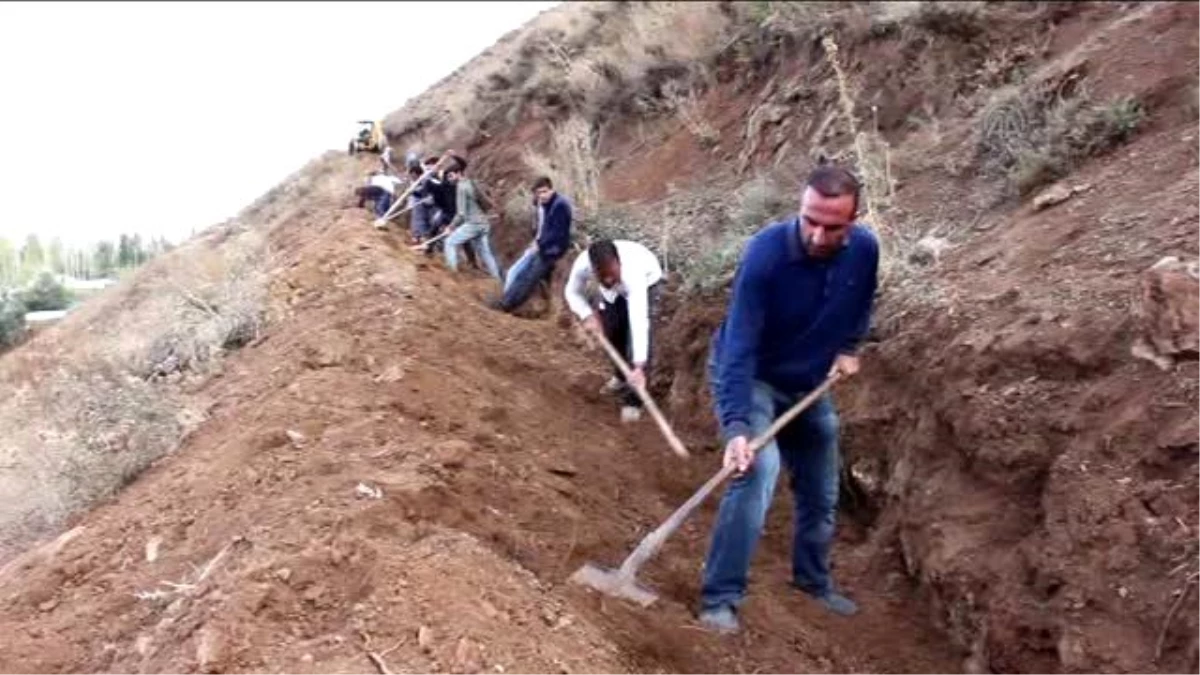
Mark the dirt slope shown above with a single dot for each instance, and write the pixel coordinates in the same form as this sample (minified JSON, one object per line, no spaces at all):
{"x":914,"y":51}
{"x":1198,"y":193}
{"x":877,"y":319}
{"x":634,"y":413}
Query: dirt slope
{"x":501,"y":472}
{"x":1021,"y":485}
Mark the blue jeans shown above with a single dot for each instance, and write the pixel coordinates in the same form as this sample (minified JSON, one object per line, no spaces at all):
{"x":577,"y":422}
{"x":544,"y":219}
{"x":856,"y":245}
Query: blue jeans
{"x":420,"y":218}
{"x":383,"y":203}
{"x":523,"y":277}
{"x":808,"y":448}
{"x":478,"y":235}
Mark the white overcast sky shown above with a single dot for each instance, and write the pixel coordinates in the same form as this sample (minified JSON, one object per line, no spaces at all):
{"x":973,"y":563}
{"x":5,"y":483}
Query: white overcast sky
{"x":164,"y":118}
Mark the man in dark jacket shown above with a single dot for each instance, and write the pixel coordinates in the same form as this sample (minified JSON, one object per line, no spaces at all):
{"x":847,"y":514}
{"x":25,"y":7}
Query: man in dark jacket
{"x":799,"y":309}
{"x":552,"y":237}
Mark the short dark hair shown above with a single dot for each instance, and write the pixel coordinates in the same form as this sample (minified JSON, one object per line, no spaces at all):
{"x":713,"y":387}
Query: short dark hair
{"x":834,"y":181}
{"x":602,"y":252}
{"x":542,"y":182}
{"x":459,"y":165}
{"x":415,"y":171}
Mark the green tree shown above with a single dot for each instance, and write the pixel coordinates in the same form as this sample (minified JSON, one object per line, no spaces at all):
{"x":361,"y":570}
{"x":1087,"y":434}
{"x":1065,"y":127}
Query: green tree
{"x":10,"y":263}
{"x":55,"y":256}
{"x":85,"y":267}
{"x":46,"y":294}
{"x":125,"y":256}
{"x":139,"y":251}
{"x":12,"y":318}
{"x":32,"y":255}
{"x":104,"y":259}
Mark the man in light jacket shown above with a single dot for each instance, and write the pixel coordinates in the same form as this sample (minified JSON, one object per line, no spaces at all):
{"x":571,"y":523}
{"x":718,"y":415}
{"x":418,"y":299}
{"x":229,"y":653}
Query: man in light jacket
{"x":469,"y":226}
{"x":628,"y":275}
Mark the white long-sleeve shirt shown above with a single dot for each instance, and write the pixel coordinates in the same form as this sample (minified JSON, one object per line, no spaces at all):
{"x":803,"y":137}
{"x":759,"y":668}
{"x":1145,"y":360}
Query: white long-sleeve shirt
{"x":640,"y":270}
{"x":388,"y":183}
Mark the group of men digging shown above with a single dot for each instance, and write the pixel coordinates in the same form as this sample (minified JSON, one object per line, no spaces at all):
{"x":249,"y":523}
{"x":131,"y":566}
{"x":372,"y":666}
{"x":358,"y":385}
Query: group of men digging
{"x":799,"y":307}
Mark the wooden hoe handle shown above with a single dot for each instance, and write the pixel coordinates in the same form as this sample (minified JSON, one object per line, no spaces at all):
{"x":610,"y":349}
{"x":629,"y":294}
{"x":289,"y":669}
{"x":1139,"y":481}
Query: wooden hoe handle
{"x":669,"y":433}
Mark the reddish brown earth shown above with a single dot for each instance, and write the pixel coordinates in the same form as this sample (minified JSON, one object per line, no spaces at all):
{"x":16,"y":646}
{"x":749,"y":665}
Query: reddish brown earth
{"x":1039,"y":479}
{"x":1021,"y":489}
{"x":501,"y":470}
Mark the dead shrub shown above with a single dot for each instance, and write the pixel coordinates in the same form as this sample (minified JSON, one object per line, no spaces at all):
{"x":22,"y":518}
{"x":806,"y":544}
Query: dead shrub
{"x":687,"y":109}
{"x":708,"y":261}
{"x":1037,"y":135}
{"x":959,"y":20}
{"x":215,"y":302}
{"x":518,"y":209}
{"x":1192,"y":104}
{"x":614,"y":222}
{"x":103,"y":413}
{"x":698,"y":240}
{"x":97,"y":427}
{"x":794,"y":17}
{"x":872,"y":157}
{"x":573,"y":164}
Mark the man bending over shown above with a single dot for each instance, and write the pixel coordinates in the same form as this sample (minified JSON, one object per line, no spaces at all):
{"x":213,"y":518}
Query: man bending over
{"x":628,"y":275}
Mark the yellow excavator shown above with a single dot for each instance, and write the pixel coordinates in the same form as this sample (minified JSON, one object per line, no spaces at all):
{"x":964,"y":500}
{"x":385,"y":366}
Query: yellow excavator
{"x":369,"y":137}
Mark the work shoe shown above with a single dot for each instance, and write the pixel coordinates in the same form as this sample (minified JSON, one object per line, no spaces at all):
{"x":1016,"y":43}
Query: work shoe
{"x":837,"y":603}
{"x":720,"y":620}
{"x":630,"y":414}
{"x":613,"y":386}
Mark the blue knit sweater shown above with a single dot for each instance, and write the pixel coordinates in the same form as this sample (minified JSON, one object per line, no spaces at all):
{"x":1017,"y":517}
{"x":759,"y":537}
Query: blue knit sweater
{"x":789,"y":317}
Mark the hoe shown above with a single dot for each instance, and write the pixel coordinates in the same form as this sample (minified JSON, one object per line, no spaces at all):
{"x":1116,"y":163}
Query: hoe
{"x":622,"y":582}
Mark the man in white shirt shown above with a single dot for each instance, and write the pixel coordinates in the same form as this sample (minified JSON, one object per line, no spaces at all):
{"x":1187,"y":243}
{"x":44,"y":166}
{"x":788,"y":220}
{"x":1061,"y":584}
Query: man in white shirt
{"x":628,"y":275}
{"x":380,"y":190}
{"x":387,"y":192}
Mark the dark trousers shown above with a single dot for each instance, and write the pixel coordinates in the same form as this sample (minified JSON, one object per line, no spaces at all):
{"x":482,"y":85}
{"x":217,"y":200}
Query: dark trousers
{"x":382,"y":203}
{"x":368,"y":193}
{"x":614,"y":318}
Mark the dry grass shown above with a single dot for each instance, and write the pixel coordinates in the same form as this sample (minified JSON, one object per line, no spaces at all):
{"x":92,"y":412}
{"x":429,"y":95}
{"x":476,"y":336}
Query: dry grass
{"x":518,"y":209}
{"x":100,"y":404}
{"x":76,"y":436}
{"x":793,"y":17}
{"x":960,"y":19}
{"x":687,"y":109}
{"x":872,"y":157}
{"x":1192,"y":101}
{"x":1036,"y":135}
{"x":90,"y":402}
{"x":571,"y":59}
{"x":217,"y":302}
{"x":699,"y":236}
{"x":573,"y":164}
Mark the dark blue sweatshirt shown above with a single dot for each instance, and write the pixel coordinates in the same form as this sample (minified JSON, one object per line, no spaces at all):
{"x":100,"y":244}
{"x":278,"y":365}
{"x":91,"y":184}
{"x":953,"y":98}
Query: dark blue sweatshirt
{"x":789,"y":317}
{"x":555,"y":236}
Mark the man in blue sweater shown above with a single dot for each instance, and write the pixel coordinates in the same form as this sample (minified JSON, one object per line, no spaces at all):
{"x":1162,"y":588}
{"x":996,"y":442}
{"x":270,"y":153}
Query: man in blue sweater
{"x":552,"y":237}
{"x":800,"y":306}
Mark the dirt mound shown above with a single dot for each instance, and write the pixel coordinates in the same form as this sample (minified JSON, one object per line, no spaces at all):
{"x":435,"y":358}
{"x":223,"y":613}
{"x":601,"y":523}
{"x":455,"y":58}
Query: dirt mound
{"x":388,"y":468}
{"x":394,"y":459}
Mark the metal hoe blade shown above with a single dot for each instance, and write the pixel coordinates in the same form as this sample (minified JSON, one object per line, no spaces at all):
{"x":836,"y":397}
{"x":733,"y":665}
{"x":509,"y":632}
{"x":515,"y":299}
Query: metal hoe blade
{"x":612,"y":582}
{"x":622,"y":583}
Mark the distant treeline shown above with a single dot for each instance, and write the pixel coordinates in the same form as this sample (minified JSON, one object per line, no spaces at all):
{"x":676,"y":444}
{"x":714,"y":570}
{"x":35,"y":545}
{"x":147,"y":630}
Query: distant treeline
{"x":21,"y":264}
